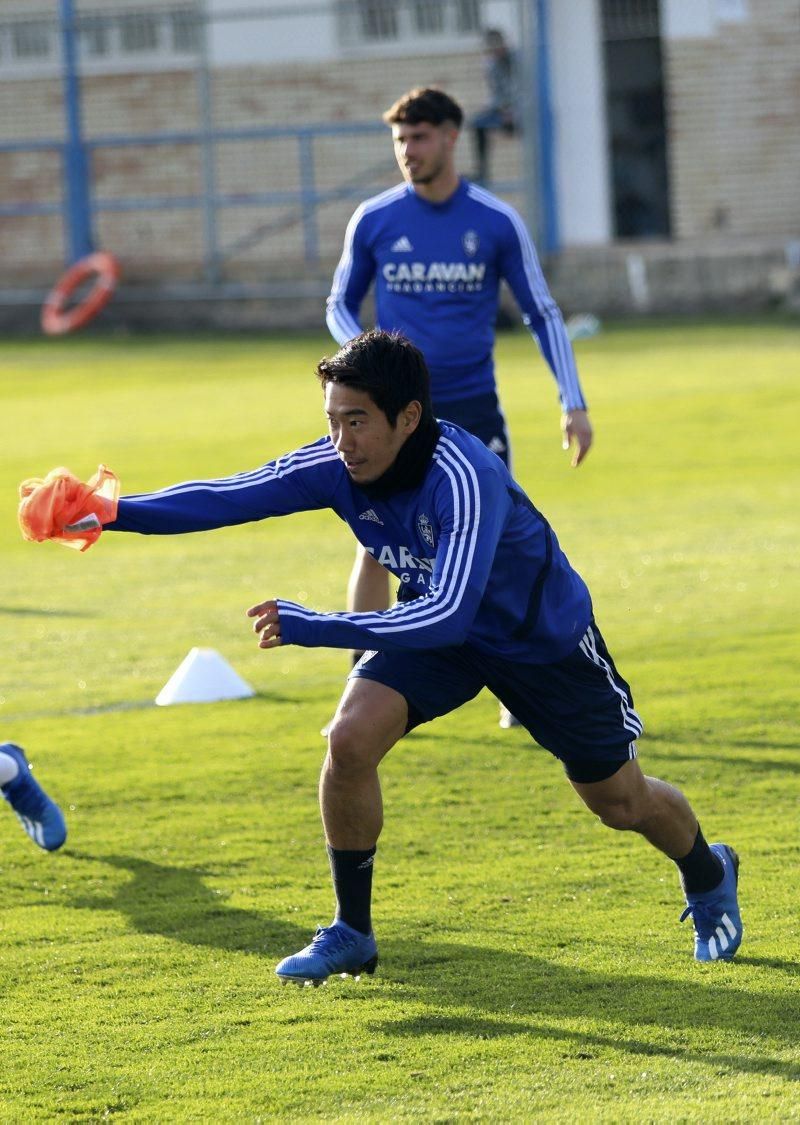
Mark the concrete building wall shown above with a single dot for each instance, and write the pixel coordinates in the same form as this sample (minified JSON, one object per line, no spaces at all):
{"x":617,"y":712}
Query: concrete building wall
{"x":733,"y":104}
{"x":732,"y":87}
{"x":168,"y":242}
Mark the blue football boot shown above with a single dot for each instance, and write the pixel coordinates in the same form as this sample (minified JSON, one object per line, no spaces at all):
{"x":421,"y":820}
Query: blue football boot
{"x":41,"y":818}
{"x":717,"y":921}
{"x":337,"y":948}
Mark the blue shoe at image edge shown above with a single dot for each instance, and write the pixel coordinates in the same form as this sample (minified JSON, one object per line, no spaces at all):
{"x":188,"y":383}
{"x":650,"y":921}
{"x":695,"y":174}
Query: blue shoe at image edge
{"x":337,"y":948}
{"x":715,"y":914}
{"x":41,"y":818}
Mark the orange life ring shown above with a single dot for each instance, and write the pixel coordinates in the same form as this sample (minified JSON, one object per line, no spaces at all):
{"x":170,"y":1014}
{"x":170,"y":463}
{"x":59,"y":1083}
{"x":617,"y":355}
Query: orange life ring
{"x":56,"y":318}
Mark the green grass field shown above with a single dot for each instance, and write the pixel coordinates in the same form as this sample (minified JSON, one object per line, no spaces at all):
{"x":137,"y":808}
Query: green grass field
{"x":533,"y":967}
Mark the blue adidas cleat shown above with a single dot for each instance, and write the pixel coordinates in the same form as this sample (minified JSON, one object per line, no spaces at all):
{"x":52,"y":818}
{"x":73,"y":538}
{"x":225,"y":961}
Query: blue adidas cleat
{"x":337,"y":948}
{"x":717,"y":922}
{"x":41,"y":818}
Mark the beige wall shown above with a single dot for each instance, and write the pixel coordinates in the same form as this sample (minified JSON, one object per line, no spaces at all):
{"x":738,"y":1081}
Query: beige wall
{"x":168,"y":244}
{"x":733,"y":102}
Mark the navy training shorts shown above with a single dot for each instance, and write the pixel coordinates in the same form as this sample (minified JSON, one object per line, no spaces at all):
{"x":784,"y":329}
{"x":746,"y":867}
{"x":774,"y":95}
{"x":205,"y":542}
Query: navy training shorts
{"x":479,"y":415}
{"x":578,"y":708}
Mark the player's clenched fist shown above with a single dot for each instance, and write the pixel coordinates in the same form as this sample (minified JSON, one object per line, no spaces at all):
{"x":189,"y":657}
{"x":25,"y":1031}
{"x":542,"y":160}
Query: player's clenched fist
{"x":267,"y":623}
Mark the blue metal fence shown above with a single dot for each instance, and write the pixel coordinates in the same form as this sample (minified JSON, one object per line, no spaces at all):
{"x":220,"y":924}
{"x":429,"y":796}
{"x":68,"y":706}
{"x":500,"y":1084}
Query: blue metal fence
{"x":82,"y":201}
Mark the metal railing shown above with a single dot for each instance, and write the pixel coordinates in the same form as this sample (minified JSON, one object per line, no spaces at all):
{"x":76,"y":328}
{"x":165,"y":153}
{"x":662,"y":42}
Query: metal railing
{"x":221,"y":185}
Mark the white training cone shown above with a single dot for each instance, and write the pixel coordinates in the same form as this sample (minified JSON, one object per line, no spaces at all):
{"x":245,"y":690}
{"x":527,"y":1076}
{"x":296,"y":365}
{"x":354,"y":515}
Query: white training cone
{"x":203,"y":677}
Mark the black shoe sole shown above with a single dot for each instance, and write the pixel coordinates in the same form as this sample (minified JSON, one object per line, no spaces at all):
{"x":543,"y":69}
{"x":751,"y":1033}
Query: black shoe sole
{"x":368,"y":967}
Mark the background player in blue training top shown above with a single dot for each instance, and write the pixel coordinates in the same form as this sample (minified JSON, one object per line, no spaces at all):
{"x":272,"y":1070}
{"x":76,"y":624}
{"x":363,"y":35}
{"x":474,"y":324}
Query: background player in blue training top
{"x":436,"y":248}
{"x":487,"y":598}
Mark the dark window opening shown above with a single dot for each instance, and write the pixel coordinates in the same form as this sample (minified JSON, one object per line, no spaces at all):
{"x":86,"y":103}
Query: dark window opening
{"x":636,"y":118}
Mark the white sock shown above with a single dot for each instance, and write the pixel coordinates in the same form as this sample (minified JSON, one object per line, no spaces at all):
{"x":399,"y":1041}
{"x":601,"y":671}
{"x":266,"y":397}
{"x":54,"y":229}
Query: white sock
{"x":8,"y":768}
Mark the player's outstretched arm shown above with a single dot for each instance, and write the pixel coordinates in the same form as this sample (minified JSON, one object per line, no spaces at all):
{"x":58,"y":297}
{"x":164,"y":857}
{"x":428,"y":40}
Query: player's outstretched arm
{"x":576,"y":430}
{"x":267,"y":623}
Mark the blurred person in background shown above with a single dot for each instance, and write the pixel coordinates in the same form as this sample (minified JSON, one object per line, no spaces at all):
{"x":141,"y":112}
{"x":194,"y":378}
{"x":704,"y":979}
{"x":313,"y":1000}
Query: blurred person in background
{"x":500,"y":113}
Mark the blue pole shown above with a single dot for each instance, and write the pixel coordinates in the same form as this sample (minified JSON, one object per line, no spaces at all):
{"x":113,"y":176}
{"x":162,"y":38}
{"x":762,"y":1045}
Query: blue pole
{"x":308,"y":198}
{"x":77,"y":203}
{"x":550,"y":235}
{"x":208,"y":153}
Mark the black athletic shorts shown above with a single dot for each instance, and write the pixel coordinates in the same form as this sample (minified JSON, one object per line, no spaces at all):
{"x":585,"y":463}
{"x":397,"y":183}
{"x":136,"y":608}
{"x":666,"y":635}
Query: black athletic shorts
{"x":479,"y":415}
{"x":578,"y":708}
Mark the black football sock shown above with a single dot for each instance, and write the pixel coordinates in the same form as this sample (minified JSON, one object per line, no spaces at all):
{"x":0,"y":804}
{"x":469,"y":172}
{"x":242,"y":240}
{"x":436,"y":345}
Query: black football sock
{"x":352,"y":885}
{"x":700,"y":870}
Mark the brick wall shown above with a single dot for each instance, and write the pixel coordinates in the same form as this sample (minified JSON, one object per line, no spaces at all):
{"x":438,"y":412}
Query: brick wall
{"x":733,"y":105}
{"x":734,"y":126}
{"x":168,"y":244}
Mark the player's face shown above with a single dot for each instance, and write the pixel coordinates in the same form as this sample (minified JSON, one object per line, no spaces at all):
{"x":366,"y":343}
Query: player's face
{"x":424,"y":152}
{"x":366,"y":442}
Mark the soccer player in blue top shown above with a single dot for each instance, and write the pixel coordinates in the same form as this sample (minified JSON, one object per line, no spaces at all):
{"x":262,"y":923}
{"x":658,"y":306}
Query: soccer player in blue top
{"x":436,"y":249}
{"x":486,"y":598}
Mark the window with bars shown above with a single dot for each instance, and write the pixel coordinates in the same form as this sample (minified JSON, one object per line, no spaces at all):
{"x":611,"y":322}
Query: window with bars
{"x":139,"y":32}
{"x":378,"y":19}
{"x":185,"y":27}
{"x":399,"y":21}
{"x":30,"y":40}
{"x":93,"y":37}
{"x":113,"y":41}
{"x":468,"y":16}
{"x":630,"y":19}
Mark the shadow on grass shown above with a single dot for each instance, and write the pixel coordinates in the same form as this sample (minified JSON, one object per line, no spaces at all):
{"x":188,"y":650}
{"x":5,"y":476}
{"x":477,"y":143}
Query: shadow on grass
{"x":508,"y":993}
{"x":791,"y":968}
{"x":39,"y":611}
{"x":176,"y":903}
{"x":665,"y":748}
{"x":753,"y":765}
{"x":150,"y":705}
{"x":654,"y":1016}
{"x":586,"y":1045}
{"x":703,"y":750}
{"x":144,"y":704}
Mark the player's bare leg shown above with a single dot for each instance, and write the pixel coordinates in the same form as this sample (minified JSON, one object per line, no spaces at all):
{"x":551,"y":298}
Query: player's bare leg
{"x":370,"y":719}
{"x":630,"y":801}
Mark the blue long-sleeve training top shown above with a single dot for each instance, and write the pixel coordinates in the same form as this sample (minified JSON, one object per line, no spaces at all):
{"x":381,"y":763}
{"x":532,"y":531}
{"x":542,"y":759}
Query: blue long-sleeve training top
{"x":437,"y":269}
{"x":485,"y":563}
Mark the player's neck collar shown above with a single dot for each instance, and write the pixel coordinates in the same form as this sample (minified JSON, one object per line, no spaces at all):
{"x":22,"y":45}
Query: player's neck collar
{"x":410,"y":465}
{"x":460,"y":188}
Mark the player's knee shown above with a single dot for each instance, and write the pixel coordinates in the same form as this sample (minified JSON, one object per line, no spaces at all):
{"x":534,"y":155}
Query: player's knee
{"x":349,"y":750}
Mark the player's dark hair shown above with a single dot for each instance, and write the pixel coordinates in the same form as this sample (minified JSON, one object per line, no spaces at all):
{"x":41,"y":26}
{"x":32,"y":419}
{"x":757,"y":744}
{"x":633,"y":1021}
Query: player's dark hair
{"x":425,"y":104}
{"x":387,"y":367}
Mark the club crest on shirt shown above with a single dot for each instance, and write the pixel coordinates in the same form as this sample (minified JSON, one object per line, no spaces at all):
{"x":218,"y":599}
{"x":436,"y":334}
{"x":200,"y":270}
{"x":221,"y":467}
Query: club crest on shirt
{"x":425,"y":528}
{"x":470,"y":242}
